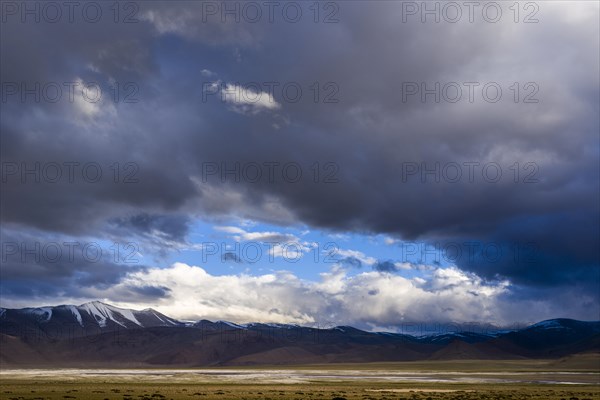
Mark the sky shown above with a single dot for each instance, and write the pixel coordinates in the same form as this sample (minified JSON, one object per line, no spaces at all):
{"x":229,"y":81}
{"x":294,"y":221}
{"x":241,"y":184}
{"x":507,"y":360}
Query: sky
{"x":372,"y":164}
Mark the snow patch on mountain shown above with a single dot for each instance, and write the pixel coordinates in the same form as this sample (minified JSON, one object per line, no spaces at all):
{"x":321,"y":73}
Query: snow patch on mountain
{"x":127,"y":314}
{"x":548,"y":324}
{"x":231,"y":324}
{"x":159,"y":316}
{"x":270,"y":325}
{"x":43,"y":312}
{"x":149,"y":310}
{"x":96,"y":312}
{"x":76,"y":313}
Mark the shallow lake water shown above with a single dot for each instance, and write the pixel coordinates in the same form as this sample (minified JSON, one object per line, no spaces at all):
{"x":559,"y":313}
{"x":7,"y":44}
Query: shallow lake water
{"x":293,"y":376}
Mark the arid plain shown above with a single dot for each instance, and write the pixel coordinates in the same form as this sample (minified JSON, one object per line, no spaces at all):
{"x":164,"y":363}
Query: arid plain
{"x":570,"y":378}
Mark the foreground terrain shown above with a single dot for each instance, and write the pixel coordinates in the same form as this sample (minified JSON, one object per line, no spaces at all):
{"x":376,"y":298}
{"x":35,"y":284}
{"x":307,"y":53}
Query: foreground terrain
{"x":98,"y":391}
{"x":570,"y":379}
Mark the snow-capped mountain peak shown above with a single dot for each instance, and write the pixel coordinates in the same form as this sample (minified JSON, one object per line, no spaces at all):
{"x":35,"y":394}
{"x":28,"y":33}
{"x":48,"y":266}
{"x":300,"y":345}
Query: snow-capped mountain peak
{"x":89,"y":315}
{"x":103,"y":313}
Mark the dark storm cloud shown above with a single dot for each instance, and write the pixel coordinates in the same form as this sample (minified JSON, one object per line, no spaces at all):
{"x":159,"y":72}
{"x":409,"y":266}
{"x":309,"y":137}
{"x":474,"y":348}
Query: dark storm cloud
{"x":170,"y":227}
{"x":546,"y":250}
{"x":370,"y":135}
{"x":351,"y":262}
{"x":111,"y":56}
{"x":149,"y":292}
{"x":36,"y":264}
{"x":229,"y":256}
{"x":385,"y":266}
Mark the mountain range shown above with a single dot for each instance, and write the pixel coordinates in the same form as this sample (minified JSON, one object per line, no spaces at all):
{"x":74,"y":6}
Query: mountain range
{"x":99,"y":334}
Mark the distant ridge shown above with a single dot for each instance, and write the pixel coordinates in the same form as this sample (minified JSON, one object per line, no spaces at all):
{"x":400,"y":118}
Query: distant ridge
{"x":97,"y":333}
{"x":92,"y":314}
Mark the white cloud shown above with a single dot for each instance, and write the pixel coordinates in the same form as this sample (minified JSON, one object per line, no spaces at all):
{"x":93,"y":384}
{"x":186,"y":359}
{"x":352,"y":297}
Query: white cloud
{"x":369,"y":300}
{"x":245,"y":100}
{"x":241,"y":235}
{"x":172,"y":19}
{"x":93,"y":105}
{"x":359,"y":255}
{"x":283,"y":245}
{"x":404,"y":265}
{"x":366,"y":299}
{"x":389,"y":240}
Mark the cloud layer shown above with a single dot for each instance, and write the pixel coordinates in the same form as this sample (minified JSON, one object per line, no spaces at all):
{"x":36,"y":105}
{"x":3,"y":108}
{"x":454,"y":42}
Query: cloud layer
{"x":369,"y":300}
{"x":362,"y":144}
